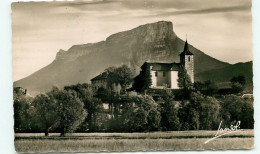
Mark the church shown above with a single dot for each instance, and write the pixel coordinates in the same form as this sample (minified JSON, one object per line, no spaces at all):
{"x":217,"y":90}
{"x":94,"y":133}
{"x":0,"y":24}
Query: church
{"x":165,"y":75}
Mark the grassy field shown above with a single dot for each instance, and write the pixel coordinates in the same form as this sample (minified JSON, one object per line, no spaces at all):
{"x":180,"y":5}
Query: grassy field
{"x":156,"y":141}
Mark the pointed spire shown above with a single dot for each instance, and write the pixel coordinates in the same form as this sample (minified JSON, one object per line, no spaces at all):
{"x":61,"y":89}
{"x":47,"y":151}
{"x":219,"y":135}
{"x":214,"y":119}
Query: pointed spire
{"x":186,"y":46}
{"x":186,"y":50}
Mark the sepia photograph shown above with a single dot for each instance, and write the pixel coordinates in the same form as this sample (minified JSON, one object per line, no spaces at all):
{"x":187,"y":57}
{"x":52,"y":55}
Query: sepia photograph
{"x":132,"y":75}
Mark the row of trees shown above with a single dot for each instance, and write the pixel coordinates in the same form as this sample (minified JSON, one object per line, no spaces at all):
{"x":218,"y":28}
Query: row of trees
{"x":77,"y":110}
{"x":210,"y":87}
{"x":57,"y":109}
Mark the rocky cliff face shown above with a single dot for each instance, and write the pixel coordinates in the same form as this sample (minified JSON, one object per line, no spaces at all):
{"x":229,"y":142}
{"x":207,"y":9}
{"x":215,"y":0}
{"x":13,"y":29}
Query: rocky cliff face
{"x":143,"y":39}
{"x":76,"y":51}
{"x":155,"y":42}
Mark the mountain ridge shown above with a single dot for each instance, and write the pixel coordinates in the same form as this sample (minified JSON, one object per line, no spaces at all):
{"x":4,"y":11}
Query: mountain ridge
{"x":153,"y":42}
{"x":224,"y":74}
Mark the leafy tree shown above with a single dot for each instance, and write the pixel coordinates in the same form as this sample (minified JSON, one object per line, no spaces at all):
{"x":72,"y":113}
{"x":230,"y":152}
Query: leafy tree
{"x":247,"y":116}
{"x":239,"y":79}
{"x":70,"y":110}
{"x":124,"y":76}
{"x":238,"y":84}
{"x":198,"y":86}
{"x":116,"y":75}
{"x":119,"y":75}
{"x":111,"y":69}
{"x":189,"y":116}
{"x":235,"y":108}
{"x":140,"y":113}
{"x":103,"y":94}
{"x":81,"y":91}
{"x":112,"y":79}
{"x":200,"y":112}
{"x":209,"y":114}
{"x":22,"y":112}
{"x":169,"y":113}
{"x":138,"y":83}
{"x":46,"y":112}
{"x":93,"y":105}
{"x":237,"y":88}
{"x":210,"y":88}
{"x":144,"y":80}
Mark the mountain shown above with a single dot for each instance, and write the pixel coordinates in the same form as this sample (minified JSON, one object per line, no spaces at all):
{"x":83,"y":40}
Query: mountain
{"x":226,"y":73}
{"x":154,"y":42}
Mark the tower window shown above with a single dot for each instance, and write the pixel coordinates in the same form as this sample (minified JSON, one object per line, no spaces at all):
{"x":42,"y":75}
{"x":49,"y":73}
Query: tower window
{"x":156,"y":74}
{"x":164,"y":74}
{"x":189,"y":58}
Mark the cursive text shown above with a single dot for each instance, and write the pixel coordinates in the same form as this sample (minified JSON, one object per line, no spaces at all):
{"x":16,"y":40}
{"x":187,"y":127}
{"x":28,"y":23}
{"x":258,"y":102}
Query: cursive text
{"x":225,"y":131}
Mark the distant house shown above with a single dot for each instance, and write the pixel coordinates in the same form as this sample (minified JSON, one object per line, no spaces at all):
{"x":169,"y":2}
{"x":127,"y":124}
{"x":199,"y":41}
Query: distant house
{"x":165,"y":75}
{"x":24,"y":91}
{"x":101,"y":81}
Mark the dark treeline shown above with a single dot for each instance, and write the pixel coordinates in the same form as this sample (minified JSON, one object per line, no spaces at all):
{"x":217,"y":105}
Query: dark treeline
{"x":78,"y":108}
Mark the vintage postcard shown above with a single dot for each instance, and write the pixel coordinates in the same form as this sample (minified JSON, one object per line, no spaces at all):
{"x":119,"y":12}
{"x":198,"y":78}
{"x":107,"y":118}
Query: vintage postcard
{"x":132,"y":75}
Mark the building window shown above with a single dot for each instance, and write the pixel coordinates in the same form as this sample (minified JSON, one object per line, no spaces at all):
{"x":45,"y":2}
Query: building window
{"x":156,"y":74}
{"x":189,"y":58}
{"x":164,"y":73}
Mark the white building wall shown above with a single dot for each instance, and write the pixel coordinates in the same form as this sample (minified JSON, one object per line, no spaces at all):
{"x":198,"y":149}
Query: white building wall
{"x":174,"y":80}
{"x":170,"y":78}
{"x":154,"y":79}
{"x":161,"y":81}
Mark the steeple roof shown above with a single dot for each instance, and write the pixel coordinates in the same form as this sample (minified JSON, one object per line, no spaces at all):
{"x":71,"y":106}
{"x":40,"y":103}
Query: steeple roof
{"x":162,"y":66}
{"x":104,"y":75}
{"x":186,"y":50}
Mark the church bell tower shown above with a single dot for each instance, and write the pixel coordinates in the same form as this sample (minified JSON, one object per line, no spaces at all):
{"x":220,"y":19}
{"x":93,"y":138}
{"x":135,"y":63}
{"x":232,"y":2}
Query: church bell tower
{"x":187,"y":60}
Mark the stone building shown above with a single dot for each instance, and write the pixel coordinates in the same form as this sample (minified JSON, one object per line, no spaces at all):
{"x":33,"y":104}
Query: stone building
{"x":165,"y":75}
{"x":101,"y":81}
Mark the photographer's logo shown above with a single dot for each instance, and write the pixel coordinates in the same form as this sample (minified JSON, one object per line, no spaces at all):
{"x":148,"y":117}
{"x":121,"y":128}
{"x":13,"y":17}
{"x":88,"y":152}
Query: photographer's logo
{"x":225,"y":131}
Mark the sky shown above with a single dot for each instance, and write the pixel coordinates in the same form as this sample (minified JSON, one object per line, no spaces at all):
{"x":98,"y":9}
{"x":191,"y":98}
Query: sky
{"x":219,"y":28}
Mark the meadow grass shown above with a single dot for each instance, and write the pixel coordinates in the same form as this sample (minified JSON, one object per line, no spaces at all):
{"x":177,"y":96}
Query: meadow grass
{"x":200,"y":133}
{"x":157,"y":141}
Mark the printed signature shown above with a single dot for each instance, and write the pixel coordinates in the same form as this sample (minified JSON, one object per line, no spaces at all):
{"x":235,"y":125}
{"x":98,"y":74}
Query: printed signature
{"x":225,"y":131}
